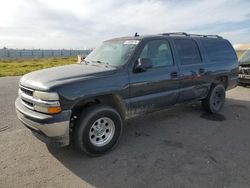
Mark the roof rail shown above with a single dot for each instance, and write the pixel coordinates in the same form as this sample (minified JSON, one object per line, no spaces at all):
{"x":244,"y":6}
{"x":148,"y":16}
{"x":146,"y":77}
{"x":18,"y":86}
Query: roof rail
{"x":212,"y":36}
{"x":191,"y":35}
{"x":176,"y":33}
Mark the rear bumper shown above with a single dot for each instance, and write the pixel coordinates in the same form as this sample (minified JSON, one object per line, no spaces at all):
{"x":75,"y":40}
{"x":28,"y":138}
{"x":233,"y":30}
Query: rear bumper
{"x":53,"y":129}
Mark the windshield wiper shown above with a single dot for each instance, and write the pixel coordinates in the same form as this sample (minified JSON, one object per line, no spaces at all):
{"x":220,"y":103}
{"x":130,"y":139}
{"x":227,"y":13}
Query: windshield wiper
{"x":86,"y":62}
{"x":102,"y":62}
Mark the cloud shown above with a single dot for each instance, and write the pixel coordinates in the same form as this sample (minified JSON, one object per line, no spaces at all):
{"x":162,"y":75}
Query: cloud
{"x":85,"y":23}
{"x":239,"y":36}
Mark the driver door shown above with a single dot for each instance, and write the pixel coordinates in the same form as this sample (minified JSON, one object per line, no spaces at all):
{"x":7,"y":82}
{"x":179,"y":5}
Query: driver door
{"x":158,"y":86}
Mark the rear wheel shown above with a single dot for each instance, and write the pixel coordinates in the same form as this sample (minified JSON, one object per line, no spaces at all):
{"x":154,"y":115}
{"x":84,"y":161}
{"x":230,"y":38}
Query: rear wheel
{"x":214,"y":102}
{"x":98,"y":130}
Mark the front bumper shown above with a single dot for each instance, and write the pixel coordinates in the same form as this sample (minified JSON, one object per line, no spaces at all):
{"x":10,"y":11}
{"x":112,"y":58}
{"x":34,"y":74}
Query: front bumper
{"x":244,"y":79}
{"x":53,"y":129}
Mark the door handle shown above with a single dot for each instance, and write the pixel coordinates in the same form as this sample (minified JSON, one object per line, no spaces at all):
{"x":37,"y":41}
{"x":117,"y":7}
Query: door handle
{"x":174,"y":75}
{"x":201,"y":71}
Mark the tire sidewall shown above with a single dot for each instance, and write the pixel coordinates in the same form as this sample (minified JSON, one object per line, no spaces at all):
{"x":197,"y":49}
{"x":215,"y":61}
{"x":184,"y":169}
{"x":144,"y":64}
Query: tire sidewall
{"x":216,"y":88}
{"x":87,"y":119}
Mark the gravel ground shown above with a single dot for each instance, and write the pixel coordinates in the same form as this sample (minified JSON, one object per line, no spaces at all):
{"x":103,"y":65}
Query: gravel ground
{"x":178,"y":147}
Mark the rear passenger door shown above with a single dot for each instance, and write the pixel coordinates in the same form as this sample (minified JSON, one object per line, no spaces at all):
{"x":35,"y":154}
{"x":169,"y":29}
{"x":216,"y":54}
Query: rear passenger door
{"x":157,"y":86}
{"x":192,"y":70}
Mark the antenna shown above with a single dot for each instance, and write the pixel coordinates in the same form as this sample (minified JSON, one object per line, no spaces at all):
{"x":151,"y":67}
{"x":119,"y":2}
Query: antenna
{"x":136,"y":34}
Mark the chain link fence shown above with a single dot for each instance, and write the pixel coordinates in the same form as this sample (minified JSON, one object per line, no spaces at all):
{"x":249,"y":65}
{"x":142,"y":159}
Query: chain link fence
{"x":36,"y":53}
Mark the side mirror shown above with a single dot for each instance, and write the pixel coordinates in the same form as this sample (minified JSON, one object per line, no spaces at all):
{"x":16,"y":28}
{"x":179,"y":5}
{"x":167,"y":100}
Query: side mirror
{"x":142,"y":64}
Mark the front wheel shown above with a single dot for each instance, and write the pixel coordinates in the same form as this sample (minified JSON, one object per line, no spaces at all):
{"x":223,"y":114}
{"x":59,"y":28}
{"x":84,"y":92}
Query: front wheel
{"x":214,"y":102}
{"x":98,"y":130}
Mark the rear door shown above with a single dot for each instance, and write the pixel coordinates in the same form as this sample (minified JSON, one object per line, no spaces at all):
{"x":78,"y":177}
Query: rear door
{"x":159,"y":85}
{"x":192,"y":69}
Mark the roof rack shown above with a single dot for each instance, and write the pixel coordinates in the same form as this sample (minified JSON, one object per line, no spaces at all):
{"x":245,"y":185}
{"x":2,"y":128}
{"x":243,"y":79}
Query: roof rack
{"x":176,"y":33}
{"x":191,"y":35}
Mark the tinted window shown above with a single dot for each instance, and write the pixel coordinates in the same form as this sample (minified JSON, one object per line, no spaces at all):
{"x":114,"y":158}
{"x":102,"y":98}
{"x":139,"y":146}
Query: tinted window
{"x":158,"y":51}
{"x":188,"y":51}
{"x":218,"y":50}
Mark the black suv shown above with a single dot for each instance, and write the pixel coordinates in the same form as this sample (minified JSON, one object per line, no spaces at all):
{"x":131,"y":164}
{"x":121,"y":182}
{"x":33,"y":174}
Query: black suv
{"x":87,"y":103}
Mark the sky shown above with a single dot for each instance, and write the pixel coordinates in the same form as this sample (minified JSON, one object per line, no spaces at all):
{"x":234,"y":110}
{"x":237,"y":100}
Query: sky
{"x":81,"y":24}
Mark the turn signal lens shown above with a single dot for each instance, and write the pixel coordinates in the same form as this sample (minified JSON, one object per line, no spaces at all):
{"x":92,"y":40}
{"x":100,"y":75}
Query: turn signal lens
{"x":54,"y":110}
{"x":47,"y":110}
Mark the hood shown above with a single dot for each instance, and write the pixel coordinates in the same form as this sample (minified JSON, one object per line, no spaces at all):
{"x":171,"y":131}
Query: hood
{"x":47,"y":78}
{"x":244,"y":64}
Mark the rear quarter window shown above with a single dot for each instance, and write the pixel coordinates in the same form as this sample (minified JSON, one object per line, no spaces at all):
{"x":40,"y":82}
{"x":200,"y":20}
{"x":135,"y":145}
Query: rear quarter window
{"x":218,"y":50}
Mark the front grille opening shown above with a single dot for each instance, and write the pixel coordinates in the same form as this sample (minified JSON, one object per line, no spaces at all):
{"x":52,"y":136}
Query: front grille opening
{"x":27,"y":103}
{"x":26,"y":91}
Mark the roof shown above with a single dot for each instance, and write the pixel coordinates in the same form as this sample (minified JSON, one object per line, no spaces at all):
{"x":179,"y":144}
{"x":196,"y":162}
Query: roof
{"x":176,"y":34}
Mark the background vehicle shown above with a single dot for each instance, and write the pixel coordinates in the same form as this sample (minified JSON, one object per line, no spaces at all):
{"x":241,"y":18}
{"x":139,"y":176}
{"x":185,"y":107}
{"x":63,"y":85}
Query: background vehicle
{"x":244,"y":69}
{"x":125,"y":77}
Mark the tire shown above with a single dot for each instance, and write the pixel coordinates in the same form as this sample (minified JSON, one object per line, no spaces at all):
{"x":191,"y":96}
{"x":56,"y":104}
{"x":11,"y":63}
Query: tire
{"x":214,"y":102}
{"x":98,"y":130}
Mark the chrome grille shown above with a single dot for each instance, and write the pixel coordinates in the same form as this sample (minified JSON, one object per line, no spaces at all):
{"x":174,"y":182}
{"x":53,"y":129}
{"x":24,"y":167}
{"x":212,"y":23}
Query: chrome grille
{"x":245,"y":70}
{"x":26,"y":95}
{"x":27,"y":91}
{"x":27,"y":103}
{"x":27,"y":99}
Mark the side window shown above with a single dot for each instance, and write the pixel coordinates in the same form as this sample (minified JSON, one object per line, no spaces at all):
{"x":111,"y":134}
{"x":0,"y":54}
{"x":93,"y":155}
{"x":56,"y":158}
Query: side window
{"x":218,"y":50}
{"x":188,"y":51}
{"x":159,"y":52}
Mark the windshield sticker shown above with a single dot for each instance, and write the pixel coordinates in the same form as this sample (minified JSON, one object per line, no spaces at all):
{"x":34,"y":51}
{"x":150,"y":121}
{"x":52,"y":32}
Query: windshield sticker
{"x":132,"y":42}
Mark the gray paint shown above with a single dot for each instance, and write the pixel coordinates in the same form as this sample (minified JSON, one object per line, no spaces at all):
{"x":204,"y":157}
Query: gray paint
{"x":36,"y":53}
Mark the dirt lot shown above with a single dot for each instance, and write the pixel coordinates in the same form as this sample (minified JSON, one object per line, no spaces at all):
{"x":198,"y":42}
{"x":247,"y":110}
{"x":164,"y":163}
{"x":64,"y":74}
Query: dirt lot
{"x":178,"y":147}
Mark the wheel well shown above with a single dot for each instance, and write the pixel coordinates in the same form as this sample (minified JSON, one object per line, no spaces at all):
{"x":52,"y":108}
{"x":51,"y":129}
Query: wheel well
{"x":222,"y":80}
{"x":112,"y":100}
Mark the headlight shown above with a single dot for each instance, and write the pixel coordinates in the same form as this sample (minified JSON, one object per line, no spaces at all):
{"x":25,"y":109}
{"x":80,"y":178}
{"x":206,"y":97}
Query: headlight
{"x":240,"y":70}
{"x":46,"y":96}
{"x":46,"y":102}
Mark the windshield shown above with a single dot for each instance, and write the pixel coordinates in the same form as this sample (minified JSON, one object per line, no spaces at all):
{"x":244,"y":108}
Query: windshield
{"x":245,"y":58}
{"x":113,"y":53}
